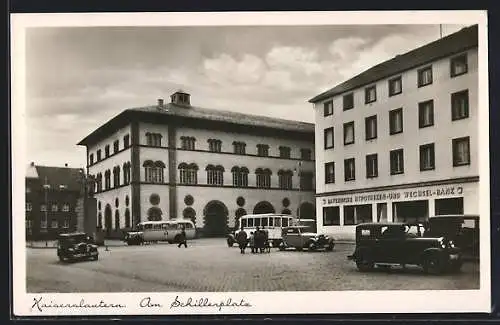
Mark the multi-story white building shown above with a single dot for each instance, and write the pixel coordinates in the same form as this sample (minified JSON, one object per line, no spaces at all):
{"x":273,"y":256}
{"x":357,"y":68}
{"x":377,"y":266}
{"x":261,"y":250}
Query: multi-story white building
{"x":174,"y":160}
{"x":399,"y":142}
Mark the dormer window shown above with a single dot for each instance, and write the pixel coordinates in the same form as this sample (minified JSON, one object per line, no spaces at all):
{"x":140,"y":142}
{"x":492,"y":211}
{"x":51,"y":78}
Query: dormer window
{"x":180,"y":98}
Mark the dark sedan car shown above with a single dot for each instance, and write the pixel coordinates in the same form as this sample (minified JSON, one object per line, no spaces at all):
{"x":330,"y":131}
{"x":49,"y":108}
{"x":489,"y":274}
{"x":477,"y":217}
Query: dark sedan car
{"x":389,"y":244}
{"x":76,"y":246}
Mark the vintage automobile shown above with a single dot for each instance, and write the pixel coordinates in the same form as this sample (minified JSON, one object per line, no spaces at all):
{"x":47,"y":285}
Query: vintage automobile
{"x":390,"y":244}
{"x":462,"y":229}
{"x":76,"y":246}
{"x":299,"y":238}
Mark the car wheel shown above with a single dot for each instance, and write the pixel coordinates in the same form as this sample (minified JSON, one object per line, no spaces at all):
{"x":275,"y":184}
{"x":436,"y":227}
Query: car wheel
{"x":455,"y":268}
{"x":96,"y":257}
{"x":230,"y":243}
{"x":433,"y":264}
{"x":365,"y":266}
{"x":311,"y":247}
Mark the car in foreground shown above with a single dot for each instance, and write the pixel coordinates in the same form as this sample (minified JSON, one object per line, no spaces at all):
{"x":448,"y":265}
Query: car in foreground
{"x":299,"y":237}
{"x":401,"y":244}
{"x":76,"y":246}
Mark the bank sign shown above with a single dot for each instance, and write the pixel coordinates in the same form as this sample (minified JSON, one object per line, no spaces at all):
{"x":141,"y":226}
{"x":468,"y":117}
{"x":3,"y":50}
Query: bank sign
{"x":398,"y":195}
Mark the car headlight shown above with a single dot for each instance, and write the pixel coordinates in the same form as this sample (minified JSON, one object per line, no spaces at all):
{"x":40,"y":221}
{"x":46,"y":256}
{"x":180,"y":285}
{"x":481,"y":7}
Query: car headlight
{"x":452,"y":244}
{"x":70,"y":249}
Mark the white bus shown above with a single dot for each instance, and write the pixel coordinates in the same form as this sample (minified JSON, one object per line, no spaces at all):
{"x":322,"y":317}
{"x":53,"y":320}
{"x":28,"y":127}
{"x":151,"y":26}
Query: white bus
{"x":271,"y":222}
{"x":169,"y":230}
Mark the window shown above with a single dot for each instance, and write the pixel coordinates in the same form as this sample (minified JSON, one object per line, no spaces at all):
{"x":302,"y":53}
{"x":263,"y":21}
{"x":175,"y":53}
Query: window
{"x":426,"y":114}
{"x":154,"y":171}
{"x":54,"y":208}
{"x":188,"y":143}
{"x":66,"y":223}
{"x":460,"y":105}
{"x":99,"y":155}
{"x":54,"y":224}
{"x":425,"y":76}
{"x":28,"y":189}
{"x":427,"y":157}
{"x":329,"y":138}
{"x":99,"y":182}
{"x":107,"y":179}
{"x":239,"y":147}
{"x":284,"y":152}
{"x":263,"y":177}
{"x":126,"y":173}
{"x":262,"y":150}
{"x":240,"y":176}
{"x":116,"y":146}
{"x":91,"y":158}
{"x":215,"y":175}
{"x":106,"y":151}
{"x":214,"y":145}
{"x":348,"y":101}
{"x":116,"y":176}
{"x":306,"y":154}
{"x":188,"y":173}
{"x":285,"y":179}
{"x":29,"y":206}
{"x":349,"y":133}
{"x":461,"y":151}
{"x":371,"y":165}
{"x":330,"y":172}
{"x":395,"y":86}
{"x":397,"y":161}
{"x":306,"y":181}
{"x":349,"y":169}
{"x":29,"y":226}
{"x":370,"y":94}
{"x":43,"y":208}
{"x":396,"y":121}
{"x":153,"y":139}
{"x":328,"y":108}
{"x":65,"y":207}
{"x":126,"y":141}
{"x":371,"y":127}
{"x":43,"y":223}
{"x":458,"y":65}
{"x":331,"y":216}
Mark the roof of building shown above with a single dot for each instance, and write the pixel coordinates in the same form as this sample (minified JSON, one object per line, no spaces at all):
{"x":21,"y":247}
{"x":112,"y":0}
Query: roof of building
{"x":69,"y":178}
{"x":454,"y":43}
{"x":31,"y":171}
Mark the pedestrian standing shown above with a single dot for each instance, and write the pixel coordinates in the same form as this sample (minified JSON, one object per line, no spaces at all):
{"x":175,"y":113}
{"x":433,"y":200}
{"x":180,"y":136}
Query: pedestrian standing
{"x":252,"y":241}
{"x":241,"y":238}
{"x":182,"y":239}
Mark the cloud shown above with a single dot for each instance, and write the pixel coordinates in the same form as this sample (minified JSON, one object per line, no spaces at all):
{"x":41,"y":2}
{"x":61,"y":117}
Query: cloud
{"x":226,"y":70}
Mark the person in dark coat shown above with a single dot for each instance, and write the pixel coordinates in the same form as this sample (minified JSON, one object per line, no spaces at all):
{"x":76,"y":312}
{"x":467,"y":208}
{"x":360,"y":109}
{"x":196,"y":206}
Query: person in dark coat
{"x":182,"y":239}
{"x":258,"y":240}
{"x":241,"y":239}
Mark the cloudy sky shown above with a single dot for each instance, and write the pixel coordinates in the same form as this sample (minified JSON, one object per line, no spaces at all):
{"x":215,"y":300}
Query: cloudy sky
{"x":78,"y":78}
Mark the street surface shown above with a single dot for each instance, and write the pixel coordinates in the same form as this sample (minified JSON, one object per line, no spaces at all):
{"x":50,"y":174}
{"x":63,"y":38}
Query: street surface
{"x":209,"y":265}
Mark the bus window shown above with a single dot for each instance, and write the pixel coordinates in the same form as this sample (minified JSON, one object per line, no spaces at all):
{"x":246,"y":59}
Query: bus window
{"x":277,"y":222}
{"x":250,"y":222}
{"x":164,"y":226}
{"x":263,"y":222}
{"x":148,"y":226}
{"x":157,"y":226}
{"x":187,"y":225}
{"x":172,"y":226}
{"x":243,"y":222}
{"x":271,"y":221}
{"x":257,"y":222}
{"x":284,"y":222}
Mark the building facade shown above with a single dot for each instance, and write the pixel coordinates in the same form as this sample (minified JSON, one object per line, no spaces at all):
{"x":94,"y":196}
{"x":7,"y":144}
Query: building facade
{"x":52,"y":201}
{"x":399,"y":142}
{"x":174,"y":160}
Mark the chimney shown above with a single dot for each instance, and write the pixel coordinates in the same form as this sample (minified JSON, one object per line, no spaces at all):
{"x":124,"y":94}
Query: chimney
{"x":181,"y":98}
{"x":65,"y":165}
{"x":32,"y":164}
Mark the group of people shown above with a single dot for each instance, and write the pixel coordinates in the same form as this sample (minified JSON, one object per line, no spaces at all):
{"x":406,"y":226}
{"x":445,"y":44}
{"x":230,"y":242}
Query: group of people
{"x":258,"y":240}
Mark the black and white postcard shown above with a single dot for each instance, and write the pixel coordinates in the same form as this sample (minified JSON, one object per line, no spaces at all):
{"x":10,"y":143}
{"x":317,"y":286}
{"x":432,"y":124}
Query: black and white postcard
{"x":250,"y":163}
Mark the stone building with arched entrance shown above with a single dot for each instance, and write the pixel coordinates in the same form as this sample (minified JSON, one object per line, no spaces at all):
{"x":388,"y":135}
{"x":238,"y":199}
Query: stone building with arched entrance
{"x":177,"y":160}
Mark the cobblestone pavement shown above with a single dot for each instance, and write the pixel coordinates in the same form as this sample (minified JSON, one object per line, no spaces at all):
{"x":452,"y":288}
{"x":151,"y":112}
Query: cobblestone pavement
{"x":209,"y":265}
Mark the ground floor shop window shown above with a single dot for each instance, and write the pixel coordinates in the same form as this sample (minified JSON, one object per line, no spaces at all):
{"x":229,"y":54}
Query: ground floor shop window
{"x":410,"y":211}
{"x":449,"y":206}
{"x":331,"y":216}
{"x":356,"y":214}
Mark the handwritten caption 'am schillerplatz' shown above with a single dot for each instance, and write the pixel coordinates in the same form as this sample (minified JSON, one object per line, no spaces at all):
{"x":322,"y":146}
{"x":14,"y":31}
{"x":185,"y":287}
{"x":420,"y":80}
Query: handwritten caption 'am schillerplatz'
{"x":40,"y":304}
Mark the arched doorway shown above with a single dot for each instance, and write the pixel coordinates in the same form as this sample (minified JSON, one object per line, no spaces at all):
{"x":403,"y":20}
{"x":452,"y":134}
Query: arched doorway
{"x":127,"y":218}
{"x":108,"y":219}
{"x":215,"y":219}
{"x":307,"y":211}
{"x":263,"y":207}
